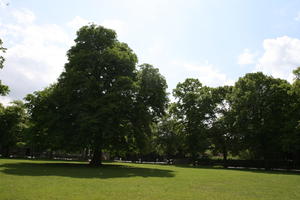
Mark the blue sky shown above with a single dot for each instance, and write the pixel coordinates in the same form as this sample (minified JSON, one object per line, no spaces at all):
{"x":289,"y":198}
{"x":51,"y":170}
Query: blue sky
{"x":216,"y":41}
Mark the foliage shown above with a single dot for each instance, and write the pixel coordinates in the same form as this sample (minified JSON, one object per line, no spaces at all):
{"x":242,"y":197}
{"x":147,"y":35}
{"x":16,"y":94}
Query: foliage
{"x":104,"y":101}
{"x":101,"y":101}
{"x":292,"y":140}
{"x":194,"y":109}
{"x":43,"y":132}
{"x":3,"y":88}
{"x":13,"y":120}
{"x":261,"y":106}
{"x":169,"y":137}
{"x":222,"y":130}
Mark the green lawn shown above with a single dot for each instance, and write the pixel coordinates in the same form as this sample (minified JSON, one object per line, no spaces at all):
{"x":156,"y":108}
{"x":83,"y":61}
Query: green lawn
{"x":27,"y":179}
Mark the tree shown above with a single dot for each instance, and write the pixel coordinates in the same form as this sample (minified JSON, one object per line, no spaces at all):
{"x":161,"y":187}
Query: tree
{"x":98,"y":88}
{"x":13,"y":120}
{"x":169,"y":137}
{"x":43,"y":132}
{"x":149,"y":104}
{"x":222,"y":130}
{"x":261,"y":106}
{"x":101,"y":101}
{"x":194,"y":109}
{"x":292,"y":140}
{"x":3,"y":88}
{"x":296,"y":73}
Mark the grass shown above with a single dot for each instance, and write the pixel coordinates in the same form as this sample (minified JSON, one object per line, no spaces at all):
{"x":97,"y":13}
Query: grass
{"x":45,"y":180}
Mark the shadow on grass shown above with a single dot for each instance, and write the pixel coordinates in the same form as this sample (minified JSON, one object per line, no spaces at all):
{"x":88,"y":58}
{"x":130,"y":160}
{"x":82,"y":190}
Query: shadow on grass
{"x":253,"y":170}
{"x":75,"y":170}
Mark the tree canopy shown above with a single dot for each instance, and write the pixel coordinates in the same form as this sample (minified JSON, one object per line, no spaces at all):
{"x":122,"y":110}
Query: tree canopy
{"x":194,"y":110}
{"x":103,"y":100}
{"x":3,"y":88}
{"x":13,"y":120}
{"x":261,"y":105}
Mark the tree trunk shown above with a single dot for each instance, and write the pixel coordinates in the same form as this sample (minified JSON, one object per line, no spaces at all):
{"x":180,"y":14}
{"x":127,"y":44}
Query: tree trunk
{"x":194,"y":159}
{"x":97,"y":157}
{"x":266,"y":160}
{"x":84,"y":154}
{"x":50,"y":154}
{"x":225,"y":158}
{"x":6,"y":152}
{"x":267,"y":165}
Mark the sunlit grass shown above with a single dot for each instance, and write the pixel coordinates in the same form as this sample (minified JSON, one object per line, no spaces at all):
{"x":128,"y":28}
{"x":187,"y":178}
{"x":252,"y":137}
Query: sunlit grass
{"x":44,"y":180}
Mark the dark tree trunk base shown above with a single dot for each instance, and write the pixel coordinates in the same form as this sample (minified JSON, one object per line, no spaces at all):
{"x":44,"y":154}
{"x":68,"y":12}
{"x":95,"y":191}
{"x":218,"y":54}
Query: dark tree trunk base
{"x":6,"y":153}
{"x":97,"y":158}
{"x":95,"y":164}
{"x":225,"y":164}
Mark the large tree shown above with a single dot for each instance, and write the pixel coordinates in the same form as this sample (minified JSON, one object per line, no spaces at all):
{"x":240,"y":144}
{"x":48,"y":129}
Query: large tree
{"x":261,"y":106}
{"x":222,"y":130}
{"x":194,"y":110}
{"x":101,"y":101}
{"x":169,"y":135}
{"x":98,"y":85}
{"x":150,"y":102}
{"x":43,"y":132}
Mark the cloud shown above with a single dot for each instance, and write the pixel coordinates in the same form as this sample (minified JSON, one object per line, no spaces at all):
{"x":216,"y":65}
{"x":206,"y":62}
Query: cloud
{"x":246,"y":58}
{"x":280,"y":57}
{"x":4,"y":100}
{"x":35,"y":53}
{"x":23,"y":16}
{"x":3,"y":3}
{"x":115,"y":24}
{"x":118,"y":25}
{"x":77,"y":22}
{"x":205,"y":72}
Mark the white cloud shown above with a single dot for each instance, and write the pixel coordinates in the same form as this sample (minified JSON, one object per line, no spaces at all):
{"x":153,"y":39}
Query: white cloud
{"x":36,"y":52}
{"x":246,"y":58}
{"x":23,"y":16}
{"x":3,"y":3}
{"x":77,"y":22}
{"x":206,"y":73}
{"x":280,"y":57}
{"x":5,"y":100}
{"x":115,"y":24}
{"x":154,"y":53}
{"x":35,"y":55}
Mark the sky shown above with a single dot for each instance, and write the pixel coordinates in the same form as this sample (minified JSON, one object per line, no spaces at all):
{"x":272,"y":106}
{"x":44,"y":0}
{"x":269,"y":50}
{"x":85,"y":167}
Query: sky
{"x":216,"y":41}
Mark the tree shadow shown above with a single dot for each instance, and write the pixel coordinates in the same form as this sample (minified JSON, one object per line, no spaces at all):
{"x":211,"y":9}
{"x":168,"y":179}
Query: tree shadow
{"x":253,"y":170}
{"x":79,"y":170}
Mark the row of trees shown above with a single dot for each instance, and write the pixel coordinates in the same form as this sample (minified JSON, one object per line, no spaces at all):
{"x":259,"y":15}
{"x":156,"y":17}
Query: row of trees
{"x":104,"y":102}
{"x":257,"y":118}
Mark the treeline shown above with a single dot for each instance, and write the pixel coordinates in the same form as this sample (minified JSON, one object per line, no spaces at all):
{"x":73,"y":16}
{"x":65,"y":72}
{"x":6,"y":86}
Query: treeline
{"x":104,"y":104}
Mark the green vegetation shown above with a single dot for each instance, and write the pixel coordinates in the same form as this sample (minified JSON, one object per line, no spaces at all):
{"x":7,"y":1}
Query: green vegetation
{"x":106,"y":105}
{"x":13,"y":120}
{"x":43,"y":180}
{"x":102,"y":101}
{"x":3,"y":88}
